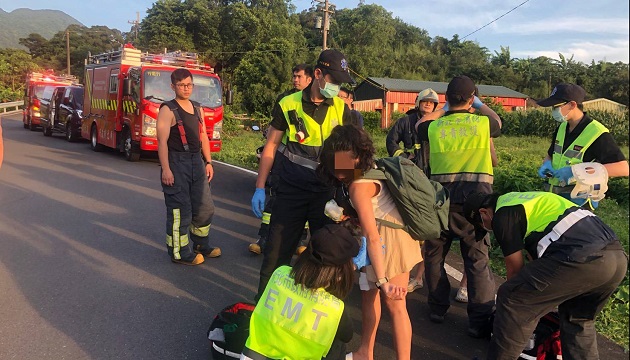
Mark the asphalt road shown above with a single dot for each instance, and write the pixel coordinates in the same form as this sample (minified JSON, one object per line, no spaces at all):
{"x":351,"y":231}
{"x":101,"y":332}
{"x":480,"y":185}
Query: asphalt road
{"x":84,"y":272}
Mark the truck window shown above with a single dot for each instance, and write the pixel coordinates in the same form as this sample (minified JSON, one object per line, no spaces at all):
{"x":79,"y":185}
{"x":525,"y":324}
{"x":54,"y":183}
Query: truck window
{"x":157,"y":86}
{"x":76,"y":98}
{"x":38,"y":91}
{"x":47,"y":93}
{"x":113,"y":81}
{"x":207,"y":91}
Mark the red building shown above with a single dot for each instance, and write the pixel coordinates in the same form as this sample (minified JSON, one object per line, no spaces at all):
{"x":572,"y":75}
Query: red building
{"x":398,"y":95}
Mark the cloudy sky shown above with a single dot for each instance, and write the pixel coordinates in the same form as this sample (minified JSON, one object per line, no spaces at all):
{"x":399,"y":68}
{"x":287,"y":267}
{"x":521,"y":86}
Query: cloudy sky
{"x":585,"y":29}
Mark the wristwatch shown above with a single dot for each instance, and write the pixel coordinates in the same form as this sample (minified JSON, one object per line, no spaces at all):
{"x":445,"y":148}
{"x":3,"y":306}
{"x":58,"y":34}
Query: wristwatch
{"x":208,"y":162}
{"x":382,"y":281}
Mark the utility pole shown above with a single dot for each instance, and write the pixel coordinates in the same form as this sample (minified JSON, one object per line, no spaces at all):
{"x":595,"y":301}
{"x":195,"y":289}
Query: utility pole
{"x":327,"y":12}
{"x":68,"y":50}
{"x":136,"y":24}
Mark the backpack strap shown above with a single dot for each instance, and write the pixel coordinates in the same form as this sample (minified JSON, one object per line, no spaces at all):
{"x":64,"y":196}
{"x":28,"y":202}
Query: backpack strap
{"x":172,"y":104}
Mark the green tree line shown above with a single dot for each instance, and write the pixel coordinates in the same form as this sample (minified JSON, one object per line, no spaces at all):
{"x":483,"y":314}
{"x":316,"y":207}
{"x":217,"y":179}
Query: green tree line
{"x":253,"y":44}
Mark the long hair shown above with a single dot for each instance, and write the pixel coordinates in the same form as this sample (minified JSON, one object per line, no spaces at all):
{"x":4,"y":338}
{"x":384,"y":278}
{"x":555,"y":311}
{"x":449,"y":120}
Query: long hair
{"x":336,"y":280}
{"x":345,"y":138}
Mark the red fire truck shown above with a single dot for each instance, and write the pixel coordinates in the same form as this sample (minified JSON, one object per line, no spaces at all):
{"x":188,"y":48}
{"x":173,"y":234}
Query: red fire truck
{"x":36,"y":83}
{"x":123,"y":93}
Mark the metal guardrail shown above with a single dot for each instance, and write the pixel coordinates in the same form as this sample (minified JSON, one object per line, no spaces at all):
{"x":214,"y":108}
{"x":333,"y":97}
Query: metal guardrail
{"x":11,"y":106}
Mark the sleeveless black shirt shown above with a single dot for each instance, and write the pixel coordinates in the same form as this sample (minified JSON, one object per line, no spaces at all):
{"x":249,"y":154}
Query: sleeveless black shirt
{"x":191,"y":126}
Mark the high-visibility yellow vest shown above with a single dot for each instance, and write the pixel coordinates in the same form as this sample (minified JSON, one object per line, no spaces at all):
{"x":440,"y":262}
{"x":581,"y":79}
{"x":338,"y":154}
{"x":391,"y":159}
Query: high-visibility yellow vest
{"x":310,"y":147}
{"x":292,"y":322}
{"x":574,"y":153}
{"x":460,"y":148}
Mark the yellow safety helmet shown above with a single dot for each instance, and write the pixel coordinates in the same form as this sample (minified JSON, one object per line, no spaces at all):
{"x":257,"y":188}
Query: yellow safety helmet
{"x":427,"y":95}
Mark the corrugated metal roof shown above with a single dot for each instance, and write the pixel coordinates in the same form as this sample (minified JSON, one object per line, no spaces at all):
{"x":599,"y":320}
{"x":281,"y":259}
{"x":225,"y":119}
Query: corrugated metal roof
{"x":440,"y":87}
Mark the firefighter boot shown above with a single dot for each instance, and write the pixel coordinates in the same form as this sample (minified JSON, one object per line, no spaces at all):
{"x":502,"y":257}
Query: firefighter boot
{"x":258,"y":247}
{"x":210,"y":252}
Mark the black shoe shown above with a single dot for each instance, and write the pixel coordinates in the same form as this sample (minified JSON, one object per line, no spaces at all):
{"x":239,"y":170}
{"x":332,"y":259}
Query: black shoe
{"x":481,"y":332}
{"x":436,"y":318}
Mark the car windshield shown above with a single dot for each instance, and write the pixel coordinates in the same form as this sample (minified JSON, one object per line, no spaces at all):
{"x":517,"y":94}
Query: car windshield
{"x":157,"y":88}
{"x":78,"y":98}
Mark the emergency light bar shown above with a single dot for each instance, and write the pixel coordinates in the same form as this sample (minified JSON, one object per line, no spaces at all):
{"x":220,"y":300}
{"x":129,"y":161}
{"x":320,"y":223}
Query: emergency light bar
{"x":50,"y":76}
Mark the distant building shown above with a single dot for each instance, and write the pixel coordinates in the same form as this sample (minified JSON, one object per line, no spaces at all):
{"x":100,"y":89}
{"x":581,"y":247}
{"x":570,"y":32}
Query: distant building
{"x":603,"y":104}
{"x":389,"y":95}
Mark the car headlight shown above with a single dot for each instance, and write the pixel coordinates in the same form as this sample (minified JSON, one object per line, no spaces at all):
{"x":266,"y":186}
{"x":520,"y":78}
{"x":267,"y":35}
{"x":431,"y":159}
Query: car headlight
{"x":149,"y":126}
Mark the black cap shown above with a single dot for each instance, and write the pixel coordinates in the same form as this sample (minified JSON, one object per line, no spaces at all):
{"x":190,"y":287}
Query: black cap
{"x":333,"y":245}
{"x":564,"y":92}
{"x":336,"y":65}
{"x":461,"y":85}
{"x":472,"y":204}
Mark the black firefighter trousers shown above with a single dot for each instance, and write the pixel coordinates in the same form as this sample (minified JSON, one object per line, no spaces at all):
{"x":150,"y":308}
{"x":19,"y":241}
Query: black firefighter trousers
{"x":189,"y":206}
{"x":292,"y":207}
{"x":579,"y":290}
{"x":474,"y":248}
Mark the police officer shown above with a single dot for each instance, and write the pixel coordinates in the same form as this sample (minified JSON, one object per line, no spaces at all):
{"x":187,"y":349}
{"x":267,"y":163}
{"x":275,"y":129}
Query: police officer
{"x":578,"y":262}
{"x":578,"y":139}
{"x":460,"y":159}
{"x":404,"y":130}
{"x":302,"y":77}
{"x":184,"y":153}
{"x":300,"y":122}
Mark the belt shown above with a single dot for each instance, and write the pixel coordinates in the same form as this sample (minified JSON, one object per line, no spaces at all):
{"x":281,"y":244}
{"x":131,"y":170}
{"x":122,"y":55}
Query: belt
{"x":297,"y":159}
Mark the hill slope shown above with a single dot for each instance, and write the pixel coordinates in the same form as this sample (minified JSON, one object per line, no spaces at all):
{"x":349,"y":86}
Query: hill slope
{"x":19,"y":23}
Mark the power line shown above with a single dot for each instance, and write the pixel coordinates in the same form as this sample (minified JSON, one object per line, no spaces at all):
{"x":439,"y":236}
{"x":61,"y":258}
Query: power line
{"x":514,"y":8}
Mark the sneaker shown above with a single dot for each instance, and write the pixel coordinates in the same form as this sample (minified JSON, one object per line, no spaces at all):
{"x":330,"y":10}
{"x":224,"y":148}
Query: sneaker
{"x":255,"y":248}
{"x":414,"y":284}
{"x":436,"y":318}
{"x":212,"y":252}
{"x":300,"y":250}
{"x":462,"y":295}
{"x":196,"y":261}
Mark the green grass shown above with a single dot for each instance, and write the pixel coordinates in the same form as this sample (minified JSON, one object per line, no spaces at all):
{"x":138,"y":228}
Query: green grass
{"x":519,"y":159}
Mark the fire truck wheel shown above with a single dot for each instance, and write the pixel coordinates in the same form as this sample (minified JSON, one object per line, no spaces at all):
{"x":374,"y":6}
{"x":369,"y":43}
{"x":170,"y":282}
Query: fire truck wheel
{"x":131,"y":152}
{"x":47,"y":130}
{"x":94,"y":140}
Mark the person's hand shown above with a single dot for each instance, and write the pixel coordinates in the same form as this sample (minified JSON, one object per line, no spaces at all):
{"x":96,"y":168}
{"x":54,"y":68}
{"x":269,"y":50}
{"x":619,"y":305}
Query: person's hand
{"x":167,"y":177}
{"x":393,"y":291}
{"x":445,"y":107}
{"x":564,"y":174}
{"x":477,"y":103}
{"x":209,"y":171}
{"x":258,"y":202}
{"x":362,"y":259}
{"x":545,"y":169}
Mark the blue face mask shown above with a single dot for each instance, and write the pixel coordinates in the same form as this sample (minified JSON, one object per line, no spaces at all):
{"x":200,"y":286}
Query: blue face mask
{"x":557,"y":115}
{"x":329,"y":90}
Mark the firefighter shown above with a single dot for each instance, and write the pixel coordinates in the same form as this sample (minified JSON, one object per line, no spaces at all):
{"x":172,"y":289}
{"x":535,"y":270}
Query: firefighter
{"x":184,"y":153}
{"x":404,"y":131}
{"x":300,"y":122}
{"x":461,"y":160}
{"x":578,"y":139}
{"x":576,"y":264}
{"x":302,"y":77}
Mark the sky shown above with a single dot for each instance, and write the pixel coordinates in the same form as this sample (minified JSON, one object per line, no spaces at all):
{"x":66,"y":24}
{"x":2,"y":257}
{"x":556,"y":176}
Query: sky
{"x":586,"y":30}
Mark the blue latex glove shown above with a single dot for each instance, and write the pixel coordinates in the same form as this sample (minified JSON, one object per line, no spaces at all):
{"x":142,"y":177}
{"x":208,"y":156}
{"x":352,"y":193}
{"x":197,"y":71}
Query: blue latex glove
{"x":564,"y":174}
{"x":477,"y":103}
{"x":545,"y":169}
{"x":258,"y":202}
{"x":362,"y":259}
{"x":445,"y":107}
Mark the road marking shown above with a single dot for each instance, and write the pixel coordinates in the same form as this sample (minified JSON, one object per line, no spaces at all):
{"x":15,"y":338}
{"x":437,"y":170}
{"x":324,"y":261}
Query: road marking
{"x":451,"y":271}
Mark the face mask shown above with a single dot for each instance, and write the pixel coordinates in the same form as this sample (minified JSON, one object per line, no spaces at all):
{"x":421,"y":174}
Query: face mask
{"x":330,"y":90}
{"x":557,"y":115}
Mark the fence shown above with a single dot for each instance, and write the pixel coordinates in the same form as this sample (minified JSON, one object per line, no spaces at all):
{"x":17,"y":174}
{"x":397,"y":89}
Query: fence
{"x":11,"y":106}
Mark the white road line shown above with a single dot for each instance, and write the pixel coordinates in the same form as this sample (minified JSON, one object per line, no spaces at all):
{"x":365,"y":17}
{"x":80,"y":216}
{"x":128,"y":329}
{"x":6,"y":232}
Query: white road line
{"x":451,"y":271}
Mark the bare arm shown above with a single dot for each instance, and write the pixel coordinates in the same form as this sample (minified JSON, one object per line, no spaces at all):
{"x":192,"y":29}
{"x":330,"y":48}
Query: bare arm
{"x":165,"y":120}
{"x":274,"y":137}
{"x":493,"y":154}
{"x":513,"y":264}
{"x":205,"y":146}
{"x":487,"y":111}
{"x":619,"y":168}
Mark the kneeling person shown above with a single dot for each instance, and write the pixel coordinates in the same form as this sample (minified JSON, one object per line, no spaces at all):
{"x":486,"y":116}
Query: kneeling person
{"x":577,"y":263}
{"x":300,"y":315}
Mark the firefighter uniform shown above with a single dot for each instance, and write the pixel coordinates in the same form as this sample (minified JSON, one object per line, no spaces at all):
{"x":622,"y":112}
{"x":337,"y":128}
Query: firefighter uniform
{"x":189,"y":205}
{"x":460,"y":159}
{"x":578,"y":262}
{"x":300,"y":195}
{"x":404,"y":131}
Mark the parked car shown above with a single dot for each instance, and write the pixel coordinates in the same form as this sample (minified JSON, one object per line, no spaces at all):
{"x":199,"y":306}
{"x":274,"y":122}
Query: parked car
{"x":65,"y":111}
{"x":44,"y":99}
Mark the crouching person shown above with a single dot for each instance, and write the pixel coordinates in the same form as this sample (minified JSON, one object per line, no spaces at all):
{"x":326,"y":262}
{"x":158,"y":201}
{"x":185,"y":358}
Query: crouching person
{"x":577,"y":263}
{"x":300,"y":315}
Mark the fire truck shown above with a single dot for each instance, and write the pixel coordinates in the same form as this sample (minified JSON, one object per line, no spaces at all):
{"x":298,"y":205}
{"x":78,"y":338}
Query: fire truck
{"x":123,"y":93}
{"x":36,"y":83}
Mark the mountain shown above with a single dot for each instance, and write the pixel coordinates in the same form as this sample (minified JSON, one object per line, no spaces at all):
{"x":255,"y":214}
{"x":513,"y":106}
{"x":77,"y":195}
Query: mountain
{"x":19,"y":23}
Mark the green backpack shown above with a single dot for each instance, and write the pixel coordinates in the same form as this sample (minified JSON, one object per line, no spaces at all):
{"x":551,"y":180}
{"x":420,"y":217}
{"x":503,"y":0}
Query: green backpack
{"x":423,"y":204}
